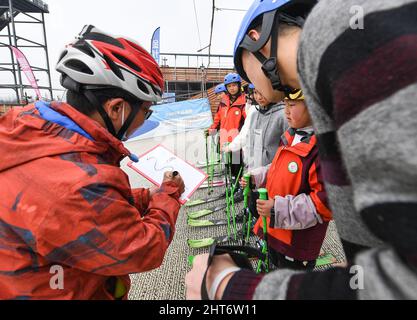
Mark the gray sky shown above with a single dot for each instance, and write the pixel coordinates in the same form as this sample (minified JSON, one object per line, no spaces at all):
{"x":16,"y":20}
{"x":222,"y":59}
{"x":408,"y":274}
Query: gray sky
{"x":138,"y":19}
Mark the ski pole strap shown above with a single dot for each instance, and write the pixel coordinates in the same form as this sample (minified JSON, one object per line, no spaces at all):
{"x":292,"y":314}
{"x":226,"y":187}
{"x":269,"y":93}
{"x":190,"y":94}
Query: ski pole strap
{"x":240,"y":256}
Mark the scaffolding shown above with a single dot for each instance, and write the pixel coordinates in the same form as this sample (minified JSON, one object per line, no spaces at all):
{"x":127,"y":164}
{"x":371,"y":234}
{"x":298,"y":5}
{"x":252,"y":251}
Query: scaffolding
{"x":21,"y":23}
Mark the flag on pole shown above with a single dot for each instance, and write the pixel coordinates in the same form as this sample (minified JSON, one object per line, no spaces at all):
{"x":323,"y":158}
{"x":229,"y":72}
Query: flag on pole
{"x":27,"y":69}
{"x":155,"y":45}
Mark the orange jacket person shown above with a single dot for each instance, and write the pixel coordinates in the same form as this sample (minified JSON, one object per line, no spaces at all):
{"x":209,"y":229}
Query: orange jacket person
{"x":298,"y":213}
{"x":67,"y":209}
{"x":231,"y":113}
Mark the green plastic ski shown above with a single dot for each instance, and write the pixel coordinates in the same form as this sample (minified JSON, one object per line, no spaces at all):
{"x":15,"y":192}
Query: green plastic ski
{"x":206,"y":223}
{"x":205,"y":212}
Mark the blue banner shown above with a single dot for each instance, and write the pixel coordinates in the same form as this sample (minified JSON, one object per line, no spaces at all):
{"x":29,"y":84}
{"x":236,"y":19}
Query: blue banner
{"x":174,"y":118}
{"x":156,"y":45}
{"x":169,"y":97}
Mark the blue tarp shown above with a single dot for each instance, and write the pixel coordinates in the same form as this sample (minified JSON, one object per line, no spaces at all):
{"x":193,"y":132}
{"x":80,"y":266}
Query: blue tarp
{"x":174,"y":118}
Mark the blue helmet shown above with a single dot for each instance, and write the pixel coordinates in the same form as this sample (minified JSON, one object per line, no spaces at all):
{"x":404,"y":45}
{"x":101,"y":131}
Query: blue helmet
{"x":251,"y":86}
{"x":220,"y":88}
{"x":272,"y":12}
{"x":232,"y":78}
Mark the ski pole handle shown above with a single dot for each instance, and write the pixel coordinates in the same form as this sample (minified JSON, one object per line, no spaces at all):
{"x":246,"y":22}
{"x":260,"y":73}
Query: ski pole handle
{"x":263,"y":194}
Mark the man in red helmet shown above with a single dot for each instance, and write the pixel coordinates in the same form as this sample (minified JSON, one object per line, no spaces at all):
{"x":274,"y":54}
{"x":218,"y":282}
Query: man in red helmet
{"x":71,"y":227}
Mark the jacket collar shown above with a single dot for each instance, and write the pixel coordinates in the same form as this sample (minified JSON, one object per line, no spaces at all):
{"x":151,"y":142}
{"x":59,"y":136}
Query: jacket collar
{"x":240,"y":101}
{"x":303,"y":148}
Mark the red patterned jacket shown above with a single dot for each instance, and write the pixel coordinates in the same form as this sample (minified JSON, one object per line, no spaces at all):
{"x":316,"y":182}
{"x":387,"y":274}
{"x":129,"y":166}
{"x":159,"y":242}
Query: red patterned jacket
{"x":65,"y":202}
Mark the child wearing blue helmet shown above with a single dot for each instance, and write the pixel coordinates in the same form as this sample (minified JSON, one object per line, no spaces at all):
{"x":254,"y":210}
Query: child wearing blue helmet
{"x":230,"y":117}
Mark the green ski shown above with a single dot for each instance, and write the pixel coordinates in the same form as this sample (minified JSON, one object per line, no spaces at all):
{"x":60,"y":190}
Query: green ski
{"x":211,"y":223}
{"x":194,"y":203}
{"x":198,"y":202}
{"x":208,"y":242}
{"x":325,"y":260}
{"x":206,"y":223}
{"x":205,"y":212}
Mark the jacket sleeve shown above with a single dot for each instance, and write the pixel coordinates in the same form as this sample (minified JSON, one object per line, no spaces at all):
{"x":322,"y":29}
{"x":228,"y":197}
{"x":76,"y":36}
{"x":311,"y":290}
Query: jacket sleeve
{"x":333,"y":284}
{"x":240,"y":141}
{"x":260,"y":175}
{"x":141,"y":198}
{"x":105,"y":233}
{"x":217,"y":119}
{"x":295,"y":213}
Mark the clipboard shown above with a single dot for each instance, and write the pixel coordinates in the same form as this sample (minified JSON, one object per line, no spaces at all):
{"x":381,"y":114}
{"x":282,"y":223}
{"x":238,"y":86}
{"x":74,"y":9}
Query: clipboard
{"x":154,"y":163}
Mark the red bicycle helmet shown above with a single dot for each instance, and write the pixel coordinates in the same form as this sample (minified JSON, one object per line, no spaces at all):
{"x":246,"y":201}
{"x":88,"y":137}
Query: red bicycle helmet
{"x":97,"y":60}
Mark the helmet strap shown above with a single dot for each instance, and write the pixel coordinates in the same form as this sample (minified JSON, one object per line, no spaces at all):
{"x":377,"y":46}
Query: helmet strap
{"x":109,"y":124}
{"x":127,"y":123}
{"x":94,"y":101}
{"x":270,"y":65}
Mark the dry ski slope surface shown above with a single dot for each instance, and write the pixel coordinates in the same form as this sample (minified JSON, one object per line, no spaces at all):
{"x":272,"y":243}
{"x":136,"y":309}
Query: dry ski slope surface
{"x":167,"y":282}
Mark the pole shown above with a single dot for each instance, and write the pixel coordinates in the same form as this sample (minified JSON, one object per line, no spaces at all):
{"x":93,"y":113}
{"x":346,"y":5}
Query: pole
{"x":263,"y":195}
{"x":246,"y":192}
{"x":47,"y":56}
{"x":13,"y":64}
{"x":15,"y":44}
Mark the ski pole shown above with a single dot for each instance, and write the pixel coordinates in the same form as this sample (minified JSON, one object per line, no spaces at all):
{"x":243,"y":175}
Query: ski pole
{"x":218,"y":153}
{"x":227,"y":195}
{"x":207,"y":162}
{"x":246,"y":192}
{"x":263,"y":195}
{"x":212,"y":164}
{"x":233,"y":203}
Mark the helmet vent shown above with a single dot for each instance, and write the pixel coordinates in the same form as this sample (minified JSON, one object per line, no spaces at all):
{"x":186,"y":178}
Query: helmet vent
{"x":142,"y":87}
{"x":114,"y":67}
{"x":83,"y":47}
{"x":103,"y":38}
{"x":127,"y":62}
{"x":79,"y":66}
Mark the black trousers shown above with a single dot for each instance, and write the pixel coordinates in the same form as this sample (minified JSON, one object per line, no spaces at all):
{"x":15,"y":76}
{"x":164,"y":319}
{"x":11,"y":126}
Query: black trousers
{"x":253,"y":197}
{"x":280,"y":262}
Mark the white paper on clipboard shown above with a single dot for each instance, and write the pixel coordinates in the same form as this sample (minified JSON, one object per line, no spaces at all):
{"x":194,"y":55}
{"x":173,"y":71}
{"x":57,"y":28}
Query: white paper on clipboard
{"x":153,"y":164}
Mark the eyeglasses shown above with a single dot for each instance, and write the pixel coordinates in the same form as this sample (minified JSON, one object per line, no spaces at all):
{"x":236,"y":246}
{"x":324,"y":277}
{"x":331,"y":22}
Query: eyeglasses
{"x":146,"y":106}
{"x":148,"y":114}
